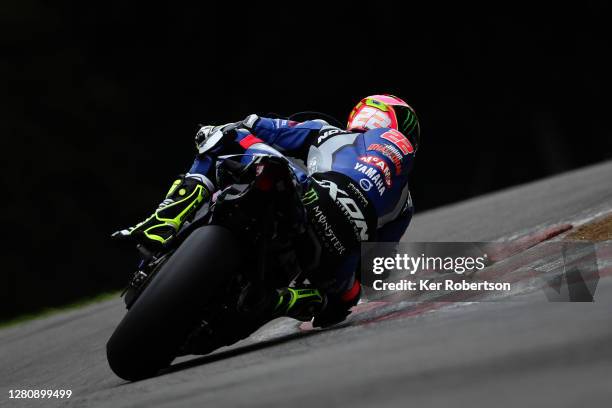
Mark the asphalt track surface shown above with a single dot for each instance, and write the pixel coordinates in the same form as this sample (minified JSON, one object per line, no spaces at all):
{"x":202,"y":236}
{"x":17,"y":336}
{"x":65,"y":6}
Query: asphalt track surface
{"x":525,"y":352}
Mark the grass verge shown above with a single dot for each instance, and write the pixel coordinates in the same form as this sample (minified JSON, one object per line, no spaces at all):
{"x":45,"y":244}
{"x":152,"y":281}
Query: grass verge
{"x":59,"y":309}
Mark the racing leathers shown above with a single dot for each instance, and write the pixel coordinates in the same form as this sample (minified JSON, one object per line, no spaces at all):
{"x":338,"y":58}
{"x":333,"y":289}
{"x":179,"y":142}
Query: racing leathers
{"x":356,"y":189}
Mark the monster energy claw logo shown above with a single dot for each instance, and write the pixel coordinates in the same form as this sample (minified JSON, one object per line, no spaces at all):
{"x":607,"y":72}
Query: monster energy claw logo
{"x":310,"y":197}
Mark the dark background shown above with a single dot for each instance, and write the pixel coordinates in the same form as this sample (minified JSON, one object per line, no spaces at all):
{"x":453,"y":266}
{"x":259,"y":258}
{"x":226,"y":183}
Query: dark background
{"x":99,"y":107}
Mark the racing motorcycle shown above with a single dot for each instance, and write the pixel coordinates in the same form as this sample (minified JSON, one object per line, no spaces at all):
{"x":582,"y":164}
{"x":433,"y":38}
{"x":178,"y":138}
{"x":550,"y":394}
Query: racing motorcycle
{"x":189,"y":297}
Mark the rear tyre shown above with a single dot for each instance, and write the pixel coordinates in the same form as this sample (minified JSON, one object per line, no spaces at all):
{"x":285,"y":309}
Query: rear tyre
{"x":158,"y":323}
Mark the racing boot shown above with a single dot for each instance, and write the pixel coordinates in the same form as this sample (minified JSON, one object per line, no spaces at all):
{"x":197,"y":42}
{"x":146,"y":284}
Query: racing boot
{"x":338,"y":306}
{"x":300,"y":304}
{"x":185,"y":197}
{"x":264,"y":304}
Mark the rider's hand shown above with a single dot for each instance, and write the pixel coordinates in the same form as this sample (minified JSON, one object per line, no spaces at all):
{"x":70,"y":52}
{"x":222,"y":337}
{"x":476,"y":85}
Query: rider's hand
{"x":208,"y":136}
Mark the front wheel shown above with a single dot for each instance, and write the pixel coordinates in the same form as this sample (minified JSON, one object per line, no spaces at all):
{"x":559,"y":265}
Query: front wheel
{"x":158,"y":323}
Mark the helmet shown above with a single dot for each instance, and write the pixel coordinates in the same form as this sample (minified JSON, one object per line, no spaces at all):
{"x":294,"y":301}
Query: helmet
{"x":386,"y":111}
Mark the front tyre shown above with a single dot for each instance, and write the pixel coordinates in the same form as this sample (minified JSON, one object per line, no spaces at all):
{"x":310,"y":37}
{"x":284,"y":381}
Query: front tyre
{"x":158,"y":323}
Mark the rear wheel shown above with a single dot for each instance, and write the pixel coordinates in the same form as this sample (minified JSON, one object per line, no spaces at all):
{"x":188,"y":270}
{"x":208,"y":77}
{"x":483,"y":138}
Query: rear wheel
{"x":158,"y":323}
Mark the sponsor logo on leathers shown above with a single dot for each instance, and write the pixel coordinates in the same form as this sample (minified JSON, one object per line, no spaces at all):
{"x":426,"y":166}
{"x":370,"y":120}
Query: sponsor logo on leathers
{"x":310,"y":197}
{"x":327,"y":132}
{"x":348,"y":206}
{"x":358,"y":193}
{"x":374,"y":175}
{"x":380,"y":164}
{"x":391,"y":152}
{"x":329,"y":236}
{"x":365,"y":184}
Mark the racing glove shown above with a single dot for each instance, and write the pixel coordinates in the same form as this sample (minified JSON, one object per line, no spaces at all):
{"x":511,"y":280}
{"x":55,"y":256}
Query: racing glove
{"x":208,"y":136}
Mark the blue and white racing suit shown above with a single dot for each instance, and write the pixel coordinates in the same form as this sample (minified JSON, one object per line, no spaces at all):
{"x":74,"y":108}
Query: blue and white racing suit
{"x":369,"y":169}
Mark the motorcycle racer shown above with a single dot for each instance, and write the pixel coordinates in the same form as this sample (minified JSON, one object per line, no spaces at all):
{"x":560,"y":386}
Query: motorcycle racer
{"x":356,"y":189}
